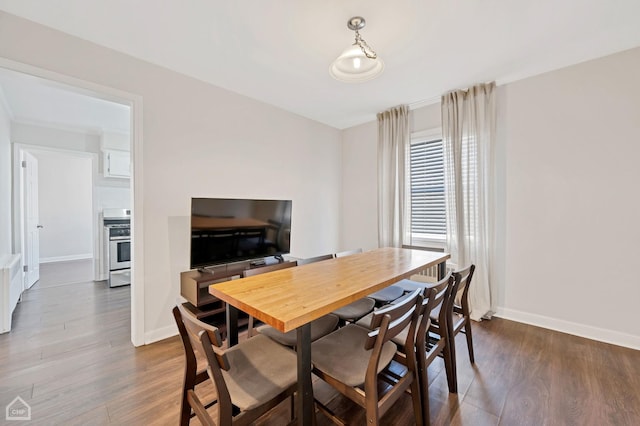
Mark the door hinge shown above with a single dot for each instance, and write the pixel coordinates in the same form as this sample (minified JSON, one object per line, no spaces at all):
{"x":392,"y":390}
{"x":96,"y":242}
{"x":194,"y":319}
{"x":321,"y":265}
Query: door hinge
{"x":24,"y":164}
{"x":25,"y":268}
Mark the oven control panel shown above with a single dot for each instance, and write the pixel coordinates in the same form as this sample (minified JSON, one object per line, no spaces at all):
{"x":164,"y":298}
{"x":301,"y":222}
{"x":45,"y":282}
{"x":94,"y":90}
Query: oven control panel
{"x":116,"y":231}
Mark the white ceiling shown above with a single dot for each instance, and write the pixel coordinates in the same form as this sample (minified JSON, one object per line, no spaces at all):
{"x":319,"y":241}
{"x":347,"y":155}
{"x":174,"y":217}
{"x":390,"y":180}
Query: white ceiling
{"x":279,"y":51}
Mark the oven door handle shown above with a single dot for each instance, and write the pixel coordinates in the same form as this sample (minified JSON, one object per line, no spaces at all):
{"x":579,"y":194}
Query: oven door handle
{"x":119,"y":238}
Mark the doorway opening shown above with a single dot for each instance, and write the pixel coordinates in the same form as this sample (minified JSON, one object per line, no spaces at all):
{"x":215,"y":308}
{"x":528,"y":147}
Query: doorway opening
{"x":58,"y":189}
{"x":83,"y":148}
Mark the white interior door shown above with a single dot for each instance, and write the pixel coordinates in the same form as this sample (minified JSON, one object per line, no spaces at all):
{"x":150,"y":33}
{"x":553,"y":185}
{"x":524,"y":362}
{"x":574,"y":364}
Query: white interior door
{"x":32,"y":225}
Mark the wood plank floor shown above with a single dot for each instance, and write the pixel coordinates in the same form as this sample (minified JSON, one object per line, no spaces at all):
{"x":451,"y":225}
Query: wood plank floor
{"x":69,"y":356}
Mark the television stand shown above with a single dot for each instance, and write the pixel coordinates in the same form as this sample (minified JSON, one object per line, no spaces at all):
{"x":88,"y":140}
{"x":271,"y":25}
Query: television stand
{"x":194,"y":284}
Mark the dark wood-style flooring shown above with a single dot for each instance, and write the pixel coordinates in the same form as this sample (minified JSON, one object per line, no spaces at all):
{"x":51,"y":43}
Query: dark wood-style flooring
{"x":70,"y":357}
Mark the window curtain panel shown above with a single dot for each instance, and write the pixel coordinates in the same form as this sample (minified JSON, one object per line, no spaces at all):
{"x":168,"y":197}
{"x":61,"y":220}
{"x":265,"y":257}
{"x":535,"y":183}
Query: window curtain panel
{"x":393,"y":142}
{"x":468,"y":130}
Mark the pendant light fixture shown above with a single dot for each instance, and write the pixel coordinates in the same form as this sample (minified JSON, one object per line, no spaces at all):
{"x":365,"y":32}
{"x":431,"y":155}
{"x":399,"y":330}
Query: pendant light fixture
{"x":359,"y":62}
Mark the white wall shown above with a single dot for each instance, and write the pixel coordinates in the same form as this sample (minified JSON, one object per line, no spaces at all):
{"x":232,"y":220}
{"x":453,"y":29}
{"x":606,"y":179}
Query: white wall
{"x":199,"y":140}
{"x":360,"y":187}
{"x":572,"y":147}
{"x":109,"y":192}
{"x":113,"y":197}
{"x":65,"y":206}
{"x":566,"y":203}
{"x":5,"y":180}
{"x":360,"y":178}
{"x":54,"y":138}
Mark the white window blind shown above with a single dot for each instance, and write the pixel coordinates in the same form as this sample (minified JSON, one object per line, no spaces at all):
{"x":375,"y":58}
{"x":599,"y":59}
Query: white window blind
{"x":428,"y":216}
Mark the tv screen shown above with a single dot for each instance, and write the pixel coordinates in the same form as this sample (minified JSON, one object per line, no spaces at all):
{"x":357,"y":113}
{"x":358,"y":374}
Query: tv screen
{"x":225,"y":230}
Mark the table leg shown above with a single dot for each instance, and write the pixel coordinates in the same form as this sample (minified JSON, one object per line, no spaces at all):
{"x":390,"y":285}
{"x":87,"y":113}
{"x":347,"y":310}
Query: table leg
{"x":232,"y":325}
{"x":304,"y":403}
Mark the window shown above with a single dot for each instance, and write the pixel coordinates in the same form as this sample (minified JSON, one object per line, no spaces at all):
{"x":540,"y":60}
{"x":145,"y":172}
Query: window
{"x":427,"y":202}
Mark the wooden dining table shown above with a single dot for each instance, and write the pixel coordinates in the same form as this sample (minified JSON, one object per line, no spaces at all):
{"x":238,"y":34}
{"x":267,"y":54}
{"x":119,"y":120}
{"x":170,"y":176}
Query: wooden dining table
{"x":291,"y":298}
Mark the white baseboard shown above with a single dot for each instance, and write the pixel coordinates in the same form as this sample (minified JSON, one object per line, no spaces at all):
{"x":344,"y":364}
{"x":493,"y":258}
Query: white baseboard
{"x":66,"y":258}
{"x":160,"y":334}
{"x":582,"y":330}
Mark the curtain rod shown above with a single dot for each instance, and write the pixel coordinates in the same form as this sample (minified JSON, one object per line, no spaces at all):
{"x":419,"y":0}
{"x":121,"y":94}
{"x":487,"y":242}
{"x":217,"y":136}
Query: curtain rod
{"x":436,"y":99}
{"x":424,"y":102}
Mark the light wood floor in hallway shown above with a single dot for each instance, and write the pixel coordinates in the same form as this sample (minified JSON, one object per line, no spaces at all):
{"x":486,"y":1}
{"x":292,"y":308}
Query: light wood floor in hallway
{"x":69,"y":356}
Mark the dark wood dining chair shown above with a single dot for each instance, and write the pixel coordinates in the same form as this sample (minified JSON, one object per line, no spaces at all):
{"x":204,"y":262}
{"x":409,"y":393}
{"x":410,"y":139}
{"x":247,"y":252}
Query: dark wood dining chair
{"x":440,"y":330}
{"x":319,"y":327}
{"x":429,"y":343}
{"x":353,"y":360}
{"x":193,"y":374}
{"x":447,"y":321}
{"x":250,"y":378}
{"x":461,"y":321}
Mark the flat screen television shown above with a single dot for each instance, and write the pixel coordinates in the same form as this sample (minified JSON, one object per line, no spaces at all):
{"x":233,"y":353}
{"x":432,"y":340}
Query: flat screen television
{"x":225,"y":230}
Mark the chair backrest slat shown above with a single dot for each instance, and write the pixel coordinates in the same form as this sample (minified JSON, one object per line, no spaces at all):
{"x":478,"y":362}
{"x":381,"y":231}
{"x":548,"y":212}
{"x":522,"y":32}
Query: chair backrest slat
{"x":465,"y":281}
{"x":446,"y":311}
{"x":435,"y":297}
{"x":392,"y":319}
{"x":192,"y":327}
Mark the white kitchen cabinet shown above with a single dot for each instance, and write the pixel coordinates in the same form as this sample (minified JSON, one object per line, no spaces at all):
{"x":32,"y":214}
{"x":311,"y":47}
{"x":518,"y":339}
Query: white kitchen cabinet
{"x":117,"y":164}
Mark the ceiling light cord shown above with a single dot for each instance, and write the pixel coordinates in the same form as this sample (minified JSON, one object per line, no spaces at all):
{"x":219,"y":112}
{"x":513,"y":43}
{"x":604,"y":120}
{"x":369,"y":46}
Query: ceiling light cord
{"x":366,"y":49}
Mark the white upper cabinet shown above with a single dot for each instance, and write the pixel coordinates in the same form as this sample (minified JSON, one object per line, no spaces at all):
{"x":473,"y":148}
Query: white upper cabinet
{"x":117,"y":164}
{"x":117,"y":157}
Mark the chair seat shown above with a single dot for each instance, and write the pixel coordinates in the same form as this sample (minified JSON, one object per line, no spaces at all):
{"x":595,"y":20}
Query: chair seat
{"x":387,"y":294}
{"x":355,"y":310}
{"x":320,"y":327}
{"x":260,"y":370}
{"x":365,"y":321}
{"x":410,"y":285}
{"x":341,"y":354}
{"x":455,"y":319}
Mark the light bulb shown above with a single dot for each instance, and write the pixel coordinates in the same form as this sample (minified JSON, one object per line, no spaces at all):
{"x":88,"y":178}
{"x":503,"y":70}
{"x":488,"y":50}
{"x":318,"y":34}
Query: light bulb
{"x":353,"y":66}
